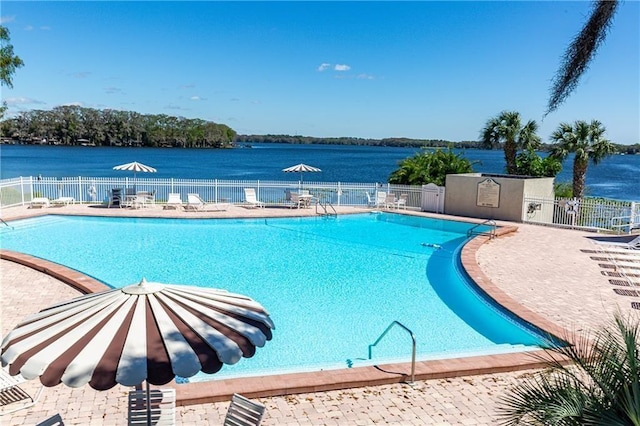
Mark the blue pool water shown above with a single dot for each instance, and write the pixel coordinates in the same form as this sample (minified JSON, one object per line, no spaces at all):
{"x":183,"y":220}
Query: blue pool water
{"x":332,"y":286}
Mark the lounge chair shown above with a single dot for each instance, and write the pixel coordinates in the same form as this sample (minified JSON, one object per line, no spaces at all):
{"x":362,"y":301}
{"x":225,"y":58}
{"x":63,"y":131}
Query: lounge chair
{"x":195,"y":203}
{"x":251,"y":198}
{"x":381,"y":197}
{"x":63,"y":201}
{"x":174,"y":201}
{"x":161,"y":407}
{"x":633,"y":244}
{"x":13,"y":396}
{"x":39,"y":202}
{"x":244,"y":412}
{"x":54,"y":420}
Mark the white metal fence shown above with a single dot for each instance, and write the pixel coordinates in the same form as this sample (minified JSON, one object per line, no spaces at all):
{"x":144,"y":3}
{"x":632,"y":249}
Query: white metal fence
{"x":20,"y":191}
{"x":585,"y":213}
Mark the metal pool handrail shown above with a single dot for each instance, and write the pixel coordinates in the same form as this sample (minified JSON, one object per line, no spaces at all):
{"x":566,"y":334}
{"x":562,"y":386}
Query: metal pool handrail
{"x":491,"y":233}
{"x":413,"y":351}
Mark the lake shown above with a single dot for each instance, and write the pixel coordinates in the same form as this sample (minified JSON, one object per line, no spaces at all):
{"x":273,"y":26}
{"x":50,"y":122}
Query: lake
{"x":616,"y":177}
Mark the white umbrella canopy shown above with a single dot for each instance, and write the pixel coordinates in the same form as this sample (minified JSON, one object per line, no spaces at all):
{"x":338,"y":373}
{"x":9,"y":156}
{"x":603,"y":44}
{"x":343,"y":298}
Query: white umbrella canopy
{"x":144,"y":332}
{"x":135,"y":167}
{"x":301,"y":168}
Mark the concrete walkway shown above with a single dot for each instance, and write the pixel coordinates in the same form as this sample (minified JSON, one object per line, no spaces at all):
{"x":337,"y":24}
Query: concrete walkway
{"x":546,"y":270}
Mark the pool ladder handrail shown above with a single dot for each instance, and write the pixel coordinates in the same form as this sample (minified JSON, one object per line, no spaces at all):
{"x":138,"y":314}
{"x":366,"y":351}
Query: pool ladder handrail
{"x":413,"y":342}
{"x":325,"y":210}
{"x":7,"y":225}
{"x":491,"y":233}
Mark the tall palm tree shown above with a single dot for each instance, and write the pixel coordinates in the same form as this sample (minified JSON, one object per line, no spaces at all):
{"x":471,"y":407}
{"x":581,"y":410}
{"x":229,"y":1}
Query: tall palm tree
{"x":507,"y":129}
{"x":581,"y":52}
{"x":587,"y":141}
{"x":599,"y":386}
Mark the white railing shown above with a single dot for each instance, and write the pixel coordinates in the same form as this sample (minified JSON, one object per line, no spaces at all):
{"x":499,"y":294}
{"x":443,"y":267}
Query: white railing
{"x":585,"y":213}
{"x":20,"y":191}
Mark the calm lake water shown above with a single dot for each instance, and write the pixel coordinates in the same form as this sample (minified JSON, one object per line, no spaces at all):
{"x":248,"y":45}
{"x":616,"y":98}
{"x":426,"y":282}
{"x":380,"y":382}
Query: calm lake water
{"x":616,"y":177}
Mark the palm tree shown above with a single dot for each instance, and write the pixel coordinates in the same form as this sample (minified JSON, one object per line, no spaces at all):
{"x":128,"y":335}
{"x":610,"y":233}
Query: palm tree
{"x":587,"y":141}
{"x":581,"y":52}
{"x":507,"y":129}
{"x":599,"y":386}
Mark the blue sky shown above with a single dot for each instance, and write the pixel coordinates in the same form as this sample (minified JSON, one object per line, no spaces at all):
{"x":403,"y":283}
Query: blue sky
{"x":432,"y":70}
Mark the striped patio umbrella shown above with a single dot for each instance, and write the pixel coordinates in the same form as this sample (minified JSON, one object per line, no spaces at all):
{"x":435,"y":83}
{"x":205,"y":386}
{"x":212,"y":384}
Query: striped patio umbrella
{"x":301,"y":168}
{"x":135,"y":167}
{"x":146,"y":332}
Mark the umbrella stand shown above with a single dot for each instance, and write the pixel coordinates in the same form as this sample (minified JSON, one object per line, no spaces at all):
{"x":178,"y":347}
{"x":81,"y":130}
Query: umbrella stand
{"x":148,"y":396}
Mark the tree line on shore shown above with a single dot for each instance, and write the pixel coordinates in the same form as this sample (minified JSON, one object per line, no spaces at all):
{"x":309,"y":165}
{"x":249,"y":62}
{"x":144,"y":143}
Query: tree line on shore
{"x":75,"y":125}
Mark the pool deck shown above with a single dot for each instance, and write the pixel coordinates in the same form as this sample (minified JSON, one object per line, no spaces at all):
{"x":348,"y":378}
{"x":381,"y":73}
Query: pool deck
{"x":545,"y":275}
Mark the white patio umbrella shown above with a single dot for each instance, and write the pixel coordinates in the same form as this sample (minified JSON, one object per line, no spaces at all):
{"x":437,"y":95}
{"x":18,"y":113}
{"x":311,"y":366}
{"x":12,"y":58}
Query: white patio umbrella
{"x":301,"y":168}
{"x":135,"y":167}
{"x":147,"y":332}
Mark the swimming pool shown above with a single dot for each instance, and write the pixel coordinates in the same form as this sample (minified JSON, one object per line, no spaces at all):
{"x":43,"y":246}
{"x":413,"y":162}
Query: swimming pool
{"x":331,"y":286}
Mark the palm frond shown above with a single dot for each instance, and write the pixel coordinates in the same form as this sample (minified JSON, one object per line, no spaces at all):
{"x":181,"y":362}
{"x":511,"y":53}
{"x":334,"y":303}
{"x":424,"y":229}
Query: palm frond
{"x":581,"y":52}
{"x":594,"y":380}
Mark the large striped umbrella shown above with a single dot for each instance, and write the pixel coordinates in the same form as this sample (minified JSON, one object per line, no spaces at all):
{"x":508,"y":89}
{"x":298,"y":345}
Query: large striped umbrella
{"x":145,"y":332}
{"x":301,"y":168}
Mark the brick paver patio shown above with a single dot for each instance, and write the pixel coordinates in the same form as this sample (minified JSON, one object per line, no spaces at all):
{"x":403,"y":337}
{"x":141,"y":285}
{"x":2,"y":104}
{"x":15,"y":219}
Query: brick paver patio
{"x":543,"y":269}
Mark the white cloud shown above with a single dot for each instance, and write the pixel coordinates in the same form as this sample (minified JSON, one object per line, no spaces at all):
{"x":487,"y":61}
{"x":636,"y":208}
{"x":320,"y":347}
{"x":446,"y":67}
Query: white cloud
{"x":112,"y":90}
{"x":81,"y":74}
{"x":6,"y":19}
{"x":365,"y":77}
{"x":324,"y":66}
{"x":175,"y":107}
{"x":196,"y":98}
{"x":22,"y":101}
{"x":76,"y":103}
{"x":342,"y":67}
{"x":28,"y":28}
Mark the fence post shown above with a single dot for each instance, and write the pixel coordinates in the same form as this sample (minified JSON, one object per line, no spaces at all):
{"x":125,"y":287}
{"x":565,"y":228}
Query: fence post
{"x":22,"y":189}
{"x":339,"y":193}
{"x":80,"y":189}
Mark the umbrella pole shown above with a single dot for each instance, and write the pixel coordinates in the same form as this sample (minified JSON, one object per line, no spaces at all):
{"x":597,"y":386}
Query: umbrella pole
{"x":148,"y":403}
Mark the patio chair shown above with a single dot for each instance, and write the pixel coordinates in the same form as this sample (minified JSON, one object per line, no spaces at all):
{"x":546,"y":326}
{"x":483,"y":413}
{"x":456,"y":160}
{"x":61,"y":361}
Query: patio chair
{"x":381,"y":197}
{"x":401,"y":202}
{"x":371,"y":202}
{"x":244,"y":412}
{"x":390,"y":201}
{"x":115,"y":197}
{"x":295,"y":200}
{"x":11,"y":393}
{"x":161,"y":407}
{"x":39,"y":202}
{"x":174,"y":201}
{"x":251,"y":199}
